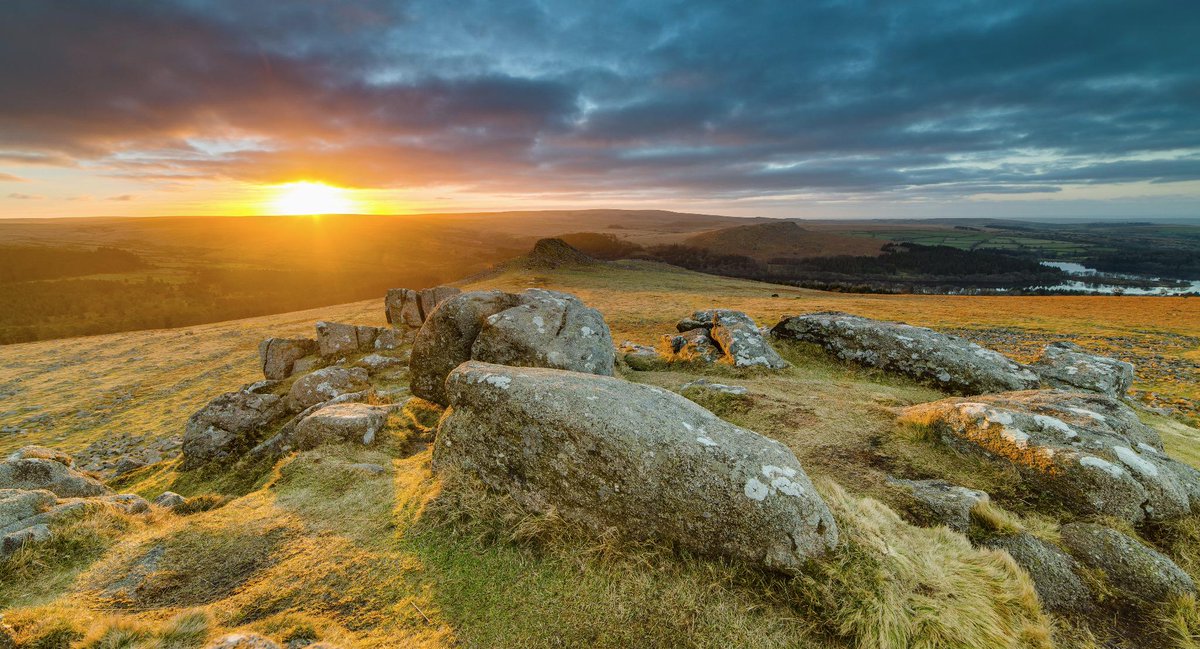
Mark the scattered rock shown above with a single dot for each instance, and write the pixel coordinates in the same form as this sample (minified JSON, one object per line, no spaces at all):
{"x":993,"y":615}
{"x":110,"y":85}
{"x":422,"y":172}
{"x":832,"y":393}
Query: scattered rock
{"x":278,"y":356}
{"x":373,"y":469}
{"x":943,"y":503}
{"x":640,"y":357}
{"x":229,"y":423}
{"x":53,"y":476}
{"x":169,"y":500}
{"x":1069,"y":366}
{"x":1090,"y":450}
{"x":947,"y":362}
{"x":736,"y":337}
{"x":703,"y":384}
{"x":41,"y":452}
{"x":612,"y":454}
{"x":387,"y":339}
{"x":325,"y":384}
{"x":1054,"y":572}
{"x":535,"y":328}
{"x":242,"y":641}
{"x":13,"y":541}
{"x":128,"y":503}
{"x":1134,"y":568}
{"x":19,"y":504}
{"x":342,"y":422}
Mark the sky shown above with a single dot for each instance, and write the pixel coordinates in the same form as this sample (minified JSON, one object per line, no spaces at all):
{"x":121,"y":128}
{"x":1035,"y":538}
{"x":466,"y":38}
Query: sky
{"x":1024,"y":108}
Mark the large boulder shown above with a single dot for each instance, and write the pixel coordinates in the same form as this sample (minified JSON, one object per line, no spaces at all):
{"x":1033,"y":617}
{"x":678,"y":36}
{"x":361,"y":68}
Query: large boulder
{"x":228,"y":424}
{"x":409,"y":308}
{"x":326,"y":384}
{"x":947,"y":362}
{"x":1135,"y":569}
{"x":536,"y":328}
{"x":1089,"y":450}
{"x":1069,"y":366}
{"x":1055,"y":573}
{"x":736,"y":336}
{"x":50,"y":475}
{"x":547,"y":329}
{"x":340,"y":422}
{"x":278,"y":356}
{"x":609,"y":453}
{"x":10,"y":542}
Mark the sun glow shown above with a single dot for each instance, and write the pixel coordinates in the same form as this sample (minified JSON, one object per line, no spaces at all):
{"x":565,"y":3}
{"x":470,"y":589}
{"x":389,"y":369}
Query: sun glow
{"x":306,"y":197}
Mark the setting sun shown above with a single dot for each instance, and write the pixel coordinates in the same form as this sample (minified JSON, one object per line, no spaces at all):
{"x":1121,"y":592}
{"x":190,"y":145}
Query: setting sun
{"x":312,"y":198}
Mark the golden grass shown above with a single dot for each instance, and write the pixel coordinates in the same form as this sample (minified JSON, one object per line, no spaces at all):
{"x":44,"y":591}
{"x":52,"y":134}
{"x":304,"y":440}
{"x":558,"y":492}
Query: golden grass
{"x":313,"y":548}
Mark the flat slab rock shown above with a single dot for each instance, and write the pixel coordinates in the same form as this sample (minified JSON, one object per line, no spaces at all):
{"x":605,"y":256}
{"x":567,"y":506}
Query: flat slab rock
{"x":1131,"y":566}
{"x":50,"y":475}
{"x":535,"y":328}
{"x":228,"y":423}
{"x":1069,"y":366}
{"x":340,"y":422}
{"x":943,"y":503}
{"x":325,"y":384}
{"x":947,"y":362}
{"x":1091,"y":451}
{"x":278,"y":356}
{"x":613,"y":454}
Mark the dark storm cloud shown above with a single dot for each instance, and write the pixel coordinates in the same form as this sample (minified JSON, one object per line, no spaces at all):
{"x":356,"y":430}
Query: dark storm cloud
{"x":705,"y":98}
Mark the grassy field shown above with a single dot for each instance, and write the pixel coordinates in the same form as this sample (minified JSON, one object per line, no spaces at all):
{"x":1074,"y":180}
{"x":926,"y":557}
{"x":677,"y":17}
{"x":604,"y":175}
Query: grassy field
{"x":313,"y":548}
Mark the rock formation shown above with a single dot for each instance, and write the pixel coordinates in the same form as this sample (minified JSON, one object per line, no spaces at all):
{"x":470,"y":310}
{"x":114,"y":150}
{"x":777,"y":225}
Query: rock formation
{"x":947,"y":362}
{"x":1069,"y":366}
{"x":612,"y":454}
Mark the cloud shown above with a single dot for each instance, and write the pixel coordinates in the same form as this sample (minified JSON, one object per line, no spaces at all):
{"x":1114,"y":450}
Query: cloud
{"x":25,"y":197}
{"x":122,"y":198}
{"x":697,"y":99}
{"x":9,"y":178}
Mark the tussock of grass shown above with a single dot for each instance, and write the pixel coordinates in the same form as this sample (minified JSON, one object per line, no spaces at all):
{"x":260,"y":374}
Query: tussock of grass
{"x":37,"y":572}
{"x":721,"y":404}
{"x":995,"y":520}
{"x":1180,"y":620}
{"x":195,"y":561}
{"x":889,"y":585}
{"x":201,"y":503}
{"x":894,"y":585}
{"x":184,"y":631}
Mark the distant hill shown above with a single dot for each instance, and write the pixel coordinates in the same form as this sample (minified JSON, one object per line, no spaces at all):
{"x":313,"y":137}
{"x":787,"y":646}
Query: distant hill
{"x":766,"y":241}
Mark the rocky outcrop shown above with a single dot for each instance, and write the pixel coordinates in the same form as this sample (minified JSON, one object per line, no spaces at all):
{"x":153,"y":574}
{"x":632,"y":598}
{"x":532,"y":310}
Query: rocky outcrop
{"x":548,"y":254}
{"x":1069,"y":366}
{"x":228,"y":424}
{"x":36,"y":492}
{"x":278,"y":356}
{"x":735,"y":336}
{"x":1137,"y":570}
{"x":341,"y":422}
{"x":1055,"y":573}
{"x":408,"y":308}
{"x":335,"y":339}
{"x":50,"y":475}
{"x":949,"y":363}
{"x":612,"y":454}
{"x":941,"y":502}
{"x":325,"y":384}
{"x":1091,"y":451}
{"x":536,"y":328}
